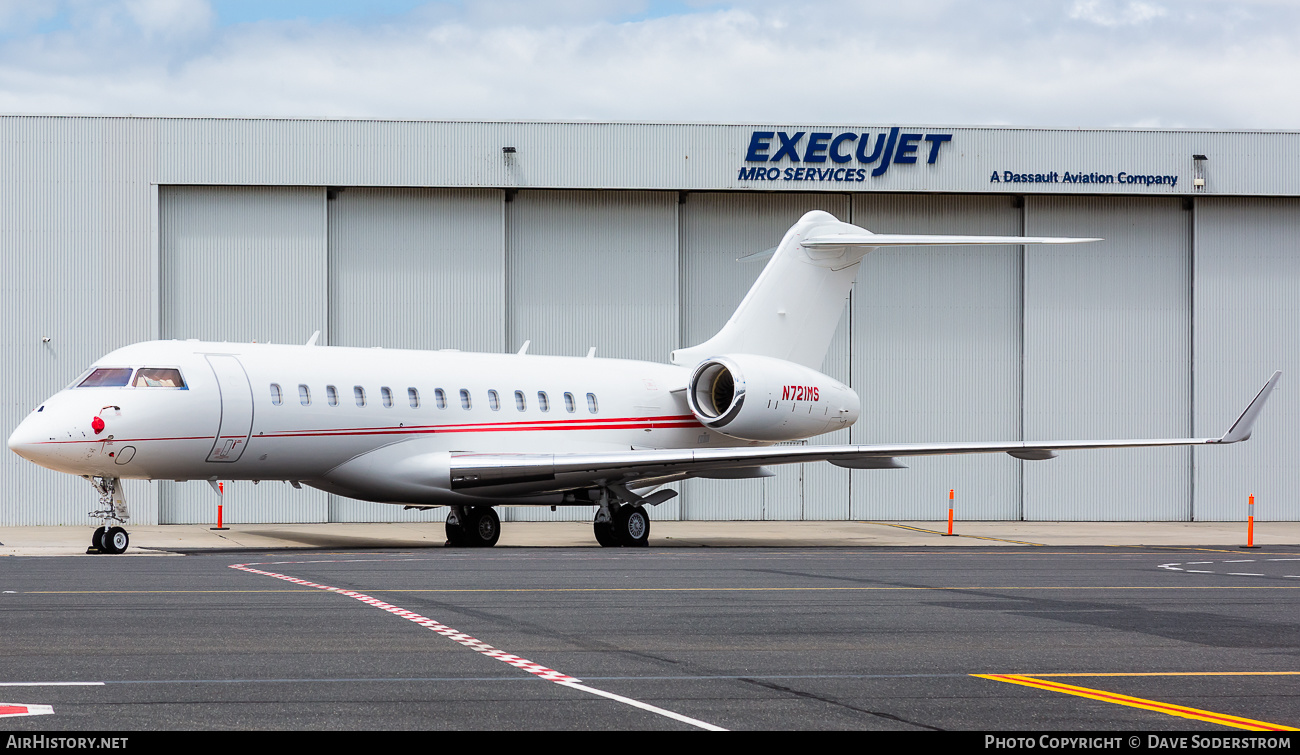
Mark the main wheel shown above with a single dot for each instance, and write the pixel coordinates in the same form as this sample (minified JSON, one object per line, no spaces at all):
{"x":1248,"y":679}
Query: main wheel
{"x":97,"y":539}
{"x":632,"y":526}
{"x":605,"y":534}
{"x":482,"y":527}
{"x":116,"y":540}
{"x":455,"y":535}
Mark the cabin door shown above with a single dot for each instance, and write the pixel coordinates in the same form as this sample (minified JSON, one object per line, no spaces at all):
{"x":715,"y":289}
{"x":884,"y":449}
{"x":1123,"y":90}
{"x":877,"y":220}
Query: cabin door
{"x":236,"y":408}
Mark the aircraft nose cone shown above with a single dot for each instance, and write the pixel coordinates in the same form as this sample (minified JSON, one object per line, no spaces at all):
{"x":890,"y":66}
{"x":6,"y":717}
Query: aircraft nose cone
{"x":26,"y":439}
{"x":20,"y":442}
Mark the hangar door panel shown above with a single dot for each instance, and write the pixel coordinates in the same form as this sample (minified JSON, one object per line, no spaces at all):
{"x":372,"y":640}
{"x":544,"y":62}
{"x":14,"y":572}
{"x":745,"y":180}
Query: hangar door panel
{"x":1247,"y":307}
{"x":1108,"y":355}
{"x":242,"y":264}
{"x":414,"y":269}
{"x":591,"y":268}
{"x":936,"y":356}
{"x":717,"y":228}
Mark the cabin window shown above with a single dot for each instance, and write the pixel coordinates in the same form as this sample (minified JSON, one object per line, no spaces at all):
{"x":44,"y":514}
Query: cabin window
{"x":413,"y":396}
{"x":107,"y":377}
{"x":387,"y":394}
{"x":332,"y":395}
{"x":520,"y":403}
{"x":569,"y":405}
{"x":304,"y":395}
{"x":359,"y":394}
{"x":158,"y":377}
{"x":494,"y":401}
{"x":464,"y":399}
{"x":543,"y":402}
{"x":440,"y":398}
{"x":592,"y":406}
{"x":277,"y":395}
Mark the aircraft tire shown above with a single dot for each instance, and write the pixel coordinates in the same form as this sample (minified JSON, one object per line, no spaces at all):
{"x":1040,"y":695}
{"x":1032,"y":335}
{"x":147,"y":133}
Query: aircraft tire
{"x":116,"y":540}
{"x":483,"y":527}
{"x":605,"y":534}
{"x":632,"y":526}
{"x":97,"y":539}
{"x":455,"y":535}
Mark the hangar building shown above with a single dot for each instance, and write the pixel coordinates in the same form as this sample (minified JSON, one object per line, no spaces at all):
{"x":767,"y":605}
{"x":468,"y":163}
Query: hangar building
{"x":625,"y":236}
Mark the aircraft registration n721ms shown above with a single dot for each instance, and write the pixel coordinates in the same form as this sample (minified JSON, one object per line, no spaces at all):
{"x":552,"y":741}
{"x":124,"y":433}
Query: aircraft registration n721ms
{"x":474,"y":431}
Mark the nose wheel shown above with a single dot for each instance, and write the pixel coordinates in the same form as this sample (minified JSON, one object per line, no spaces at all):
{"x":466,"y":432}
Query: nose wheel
{"x":111,"y":537}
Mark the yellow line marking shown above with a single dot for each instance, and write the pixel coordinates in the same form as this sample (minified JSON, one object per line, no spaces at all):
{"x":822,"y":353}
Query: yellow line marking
{"x":1180,"y":711}
{"x":681,"y":589}
{"x":1177,"y":673}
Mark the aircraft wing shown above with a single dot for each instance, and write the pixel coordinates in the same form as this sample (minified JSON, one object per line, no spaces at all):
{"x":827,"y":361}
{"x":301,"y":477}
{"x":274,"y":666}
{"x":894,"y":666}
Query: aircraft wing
{"x":496,"y":475}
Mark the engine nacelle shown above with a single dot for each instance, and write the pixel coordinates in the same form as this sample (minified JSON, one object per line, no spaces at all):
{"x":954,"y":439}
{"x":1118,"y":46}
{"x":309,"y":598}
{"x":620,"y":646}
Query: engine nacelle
{"x":753,"y":397}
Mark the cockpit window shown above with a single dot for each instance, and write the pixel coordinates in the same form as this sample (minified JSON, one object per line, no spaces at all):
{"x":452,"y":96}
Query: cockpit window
{"x":107,"y":377}
{"x":158,"y":377}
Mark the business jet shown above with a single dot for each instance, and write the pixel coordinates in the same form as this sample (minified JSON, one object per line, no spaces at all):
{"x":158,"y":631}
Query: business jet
{"x":471,"y":432}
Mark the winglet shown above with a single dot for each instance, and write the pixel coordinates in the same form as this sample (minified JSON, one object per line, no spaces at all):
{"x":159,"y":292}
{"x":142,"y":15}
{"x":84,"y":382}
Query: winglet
{"x":1240,"y":429}
{"x":312,"y":340}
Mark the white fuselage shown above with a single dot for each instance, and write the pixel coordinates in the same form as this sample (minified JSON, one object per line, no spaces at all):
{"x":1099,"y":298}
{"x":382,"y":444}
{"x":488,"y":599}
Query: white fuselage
{"x":244,"y":416}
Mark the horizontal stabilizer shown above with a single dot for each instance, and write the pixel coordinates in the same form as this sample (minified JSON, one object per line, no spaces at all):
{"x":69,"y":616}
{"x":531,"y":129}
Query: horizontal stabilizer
{"x":908,"y":239}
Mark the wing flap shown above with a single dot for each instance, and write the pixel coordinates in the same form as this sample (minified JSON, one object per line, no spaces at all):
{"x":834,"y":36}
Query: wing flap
{"x":531,"y":474}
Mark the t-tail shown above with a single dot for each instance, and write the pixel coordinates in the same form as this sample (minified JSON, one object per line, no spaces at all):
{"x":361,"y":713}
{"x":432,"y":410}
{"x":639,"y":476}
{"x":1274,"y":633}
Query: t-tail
{"x":793,"y":308}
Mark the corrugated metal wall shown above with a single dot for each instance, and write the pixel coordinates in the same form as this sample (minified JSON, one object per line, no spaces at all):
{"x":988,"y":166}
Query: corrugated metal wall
{"x":76,"y":269}
{"x":936,"y":356}
{"x":1108,"y":355}
{"x":1247,"y":325}
{"x":716,"y":229}
{"x":242,"y":264}
{"x":1136,"y":336}
{"x":414,"y":269}
{"x":588,"y":268}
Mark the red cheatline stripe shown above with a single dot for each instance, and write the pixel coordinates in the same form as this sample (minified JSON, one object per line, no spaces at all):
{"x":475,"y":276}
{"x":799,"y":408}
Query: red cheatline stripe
{"x":625,"y":423}
{"x":13,"y":710}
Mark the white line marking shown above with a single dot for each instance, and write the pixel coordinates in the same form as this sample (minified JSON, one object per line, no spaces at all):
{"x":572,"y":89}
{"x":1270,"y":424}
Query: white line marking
{"x":1241,"y":561}
{"x":641,"y":705}
{"x":1243,"y":574}
{"x":1199,"y":571}
{"x":479,"y":646}
{"x":1200,"y":562}
{"x":51,"y":684}
{"x":1282,"y":559}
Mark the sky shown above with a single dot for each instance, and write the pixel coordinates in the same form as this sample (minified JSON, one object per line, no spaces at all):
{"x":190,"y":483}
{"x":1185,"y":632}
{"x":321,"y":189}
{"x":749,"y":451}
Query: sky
{"x":1054,"y":63}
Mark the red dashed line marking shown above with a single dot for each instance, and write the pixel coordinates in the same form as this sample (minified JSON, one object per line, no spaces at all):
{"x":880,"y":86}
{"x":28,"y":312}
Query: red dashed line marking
{"x":10,"y":710}
{"x":478,"y":646}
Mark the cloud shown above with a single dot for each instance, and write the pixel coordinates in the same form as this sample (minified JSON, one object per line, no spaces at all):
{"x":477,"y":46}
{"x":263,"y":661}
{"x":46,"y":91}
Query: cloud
{"x":1052,"y":63}
{"x":1105,"y":13}
{"x":170,"y":18}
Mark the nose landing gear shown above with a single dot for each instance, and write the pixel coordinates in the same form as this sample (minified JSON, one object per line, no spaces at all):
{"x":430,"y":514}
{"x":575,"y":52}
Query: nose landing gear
{"x":111,"y":537}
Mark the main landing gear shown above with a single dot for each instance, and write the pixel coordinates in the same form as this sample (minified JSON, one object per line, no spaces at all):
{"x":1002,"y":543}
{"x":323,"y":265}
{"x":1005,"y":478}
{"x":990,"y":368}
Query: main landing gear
{"x":111,"y":537}
{"x":473,"y":526}
{"x":621,"y":523}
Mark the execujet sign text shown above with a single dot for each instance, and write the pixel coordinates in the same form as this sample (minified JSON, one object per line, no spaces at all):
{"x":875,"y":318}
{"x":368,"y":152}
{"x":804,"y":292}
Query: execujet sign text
{"x":808,"y":158}
{"x":1055,"y":177}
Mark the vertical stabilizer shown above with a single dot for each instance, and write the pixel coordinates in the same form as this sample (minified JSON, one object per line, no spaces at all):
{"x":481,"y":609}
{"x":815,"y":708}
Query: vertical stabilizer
{"x":793,"y":308}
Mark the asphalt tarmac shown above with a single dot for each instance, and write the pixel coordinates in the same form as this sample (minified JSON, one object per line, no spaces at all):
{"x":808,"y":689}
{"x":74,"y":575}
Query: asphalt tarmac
{"x":1013,"y":638}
